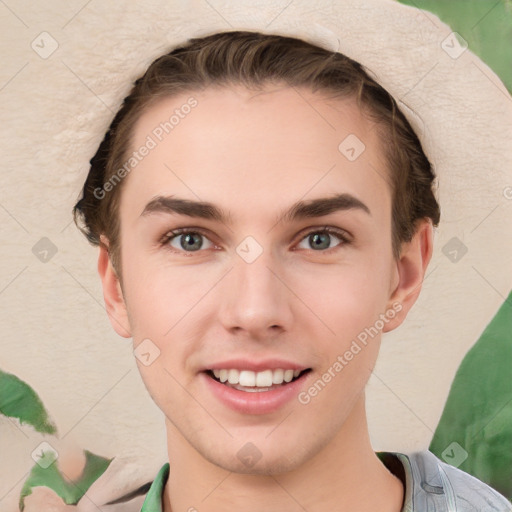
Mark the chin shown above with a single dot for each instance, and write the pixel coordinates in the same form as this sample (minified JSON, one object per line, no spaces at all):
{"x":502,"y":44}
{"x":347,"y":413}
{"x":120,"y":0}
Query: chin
{"x":269,"y":467}
{"x":273,"y":459}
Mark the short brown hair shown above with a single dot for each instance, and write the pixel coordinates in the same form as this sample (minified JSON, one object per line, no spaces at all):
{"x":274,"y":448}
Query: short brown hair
{"x":254,"y":59}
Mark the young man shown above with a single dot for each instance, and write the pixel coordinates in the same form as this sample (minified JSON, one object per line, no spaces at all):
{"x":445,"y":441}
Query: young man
{"x":264,"y":212}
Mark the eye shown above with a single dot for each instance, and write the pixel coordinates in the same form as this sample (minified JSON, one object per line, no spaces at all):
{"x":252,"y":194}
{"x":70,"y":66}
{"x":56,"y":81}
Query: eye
{"x":320,"y":239}
{"x":191,"y":240}
{"x":185,"y":239}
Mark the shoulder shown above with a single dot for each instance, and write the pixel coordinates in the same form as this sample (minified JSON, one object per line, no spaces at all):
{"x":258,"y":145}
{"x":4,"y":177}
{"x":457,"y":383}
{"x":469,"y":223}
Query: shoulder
{"x":437,"y":486}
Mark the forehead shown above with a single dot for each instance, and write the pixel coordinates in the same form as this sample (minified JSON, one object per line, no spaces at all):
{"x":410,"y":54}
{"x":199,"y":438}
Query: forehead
{"x":238,"y":146}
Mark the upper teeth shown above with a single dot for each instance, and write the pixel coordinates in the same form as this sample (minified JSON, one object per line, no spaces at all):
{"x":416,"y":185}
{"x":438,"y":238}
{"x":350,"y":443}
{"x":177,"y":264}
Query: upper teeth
{"x":262,"y":379}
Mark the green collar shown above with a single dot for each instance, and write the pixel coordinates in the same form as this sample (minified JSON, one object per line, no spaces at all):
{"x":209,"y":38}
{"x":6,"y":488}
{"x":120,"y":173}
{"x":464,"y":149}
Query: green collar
{"x":153,"y":501}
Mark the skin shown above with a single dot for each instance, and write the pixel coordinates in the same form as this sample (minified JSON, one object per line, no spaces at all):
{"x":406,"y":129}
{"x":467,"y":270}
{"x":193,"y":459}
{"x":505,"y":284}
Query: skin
{"x":248,"y":152}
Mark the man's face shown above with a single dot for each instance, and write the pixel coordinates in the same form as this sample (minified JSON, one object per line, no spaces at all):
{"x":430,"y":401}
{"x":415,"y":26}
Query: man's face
{"x":258,"y":290}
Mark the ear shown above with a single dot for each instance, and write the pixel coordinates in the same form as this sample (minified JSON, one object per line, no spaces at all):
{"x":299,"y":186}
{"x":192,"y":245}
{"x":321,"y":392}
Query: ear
{"x":410,"y":271}
{"x":112,"y":293}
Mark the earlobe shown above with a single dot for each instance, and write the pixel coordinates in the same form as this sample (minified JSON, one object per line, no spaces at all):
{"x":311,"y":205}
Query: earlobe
{"x":112,"y":293}
{"x":411,"y":267}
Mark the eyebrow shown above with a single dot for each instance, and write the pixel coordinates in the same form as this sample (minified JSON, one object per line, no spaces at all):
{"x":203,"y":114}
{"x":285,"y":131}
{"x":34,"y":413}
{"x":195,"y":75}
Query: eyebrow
{"x":299,"y":210}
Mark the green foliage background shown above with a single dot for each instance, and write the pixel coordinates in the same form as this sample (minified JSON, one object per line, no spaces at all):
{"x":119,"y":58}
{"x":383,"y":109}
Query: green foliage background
{"x":485,"y":24}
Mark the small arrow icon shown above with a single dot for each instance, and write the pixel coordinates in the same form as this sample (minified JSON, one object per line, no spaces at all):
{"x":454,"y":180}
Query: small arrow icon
{"x":44,"y":250}
{"x":249,"y":249}
{"x":44,"y":45}
{"x":249,"y":454}
{"x":44,"y":455}
{"x":146,"y":352}
{"x":454,"y":454}
{"x":454,"y":249}
{"x":351,"y":147}
{"x":454,"y":45}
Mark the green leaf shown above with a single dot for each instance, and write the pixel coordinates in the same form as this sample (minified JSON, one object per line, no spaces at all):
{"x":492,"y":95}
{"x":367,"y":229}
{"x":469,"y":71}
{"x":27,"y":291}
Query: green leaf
{"x":478,"y":412}
{"x":19,"y":400}
{"x":485,"y":25}
{"x":46,"y":475}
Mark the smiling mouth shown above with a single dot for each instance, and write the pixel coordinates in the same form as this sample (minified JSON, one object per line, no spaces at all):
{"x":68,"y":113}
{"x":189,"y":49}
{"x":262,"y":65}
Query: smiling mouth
{"x":254,"y":382}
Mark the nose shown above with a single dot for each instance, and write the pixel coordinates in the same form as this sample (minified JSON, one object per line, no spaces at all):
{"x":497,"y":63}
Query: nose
{"x":254,"y":298}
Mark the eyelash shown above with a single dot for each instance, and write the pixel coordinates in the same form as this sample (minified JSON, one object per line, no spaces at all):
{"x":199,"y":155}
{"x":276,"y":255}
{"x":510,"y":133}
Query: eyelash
{"x":164,"y":241}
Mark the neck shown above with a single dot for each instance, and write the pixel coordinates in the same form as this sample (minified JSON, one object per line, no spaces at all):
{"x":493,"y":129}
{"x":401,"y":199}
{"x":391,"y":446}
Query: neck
{"x":345,"y":475}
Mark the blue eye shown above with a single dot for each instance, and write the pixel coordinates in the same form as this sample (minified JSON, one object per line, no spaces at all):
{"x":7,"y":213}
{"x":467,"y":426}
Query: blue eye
{"x":319,"y":239}
{"x":191,"y":240}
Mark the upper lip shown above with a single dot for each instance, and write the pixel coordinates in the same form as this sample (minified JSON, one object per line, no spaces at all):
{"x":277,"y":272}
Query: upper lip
{"x":255,"y":366}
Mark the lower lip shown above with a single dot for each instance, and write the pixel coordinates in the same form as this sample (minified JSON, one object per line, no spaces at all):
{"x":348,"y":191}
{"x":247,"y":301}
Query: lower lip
{"x":258,"y":402}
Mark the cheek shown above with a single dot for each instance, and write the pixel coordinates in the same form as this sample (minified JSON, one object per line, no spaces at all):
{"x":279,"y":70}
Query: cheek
{"x":348,"y":297}
{"x":163,"y":305}
{"x":349,"y":303}
{"x":156,"y":295}
{"x":170,"y":306}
